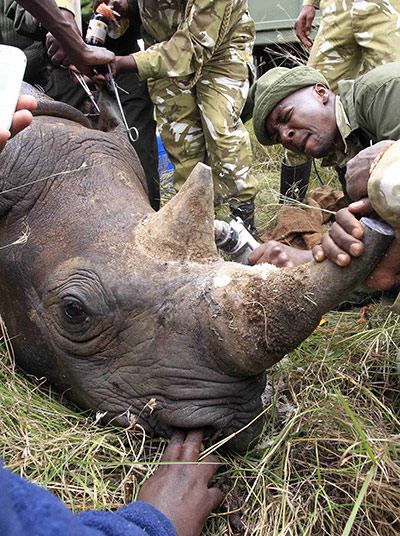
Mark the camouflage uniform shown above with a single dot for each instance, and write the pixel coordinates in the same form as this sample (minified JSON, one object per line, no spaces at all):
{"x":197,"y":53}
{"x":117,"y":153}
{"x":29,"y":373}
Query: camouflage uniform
{"x":384,"y":194}
{"x":354,"y":37}
{"x":198,"y":61}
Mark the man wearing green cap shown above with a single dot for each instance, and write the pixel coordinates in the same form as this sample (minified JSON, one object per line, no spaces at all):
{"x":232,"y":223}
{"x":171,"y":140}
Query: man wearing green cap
{"x":297,"y":109}
{"x":353,"y":38}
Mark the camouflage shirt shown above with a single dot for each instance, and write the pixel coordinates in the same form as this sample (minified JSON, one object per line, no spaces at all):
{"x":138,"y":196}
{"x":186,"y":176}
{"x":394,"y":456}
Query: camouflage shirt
{"x":178,"y":45}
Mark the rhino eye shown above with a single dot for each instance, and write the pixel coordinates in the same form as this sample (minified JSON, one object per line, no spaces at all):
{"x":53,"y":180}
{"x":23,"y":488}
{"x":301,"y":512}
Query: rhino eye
{"x":73,"y":311}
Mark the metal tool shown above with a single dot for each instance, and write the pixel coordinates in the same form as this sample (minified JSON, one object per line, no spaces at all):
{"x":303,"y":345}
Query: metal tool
{"x":121,"y":89}
{"x":378,"y":226}
{"x":86,"y":88}
{"x":234,"y":239}
{"x":128,"y":129}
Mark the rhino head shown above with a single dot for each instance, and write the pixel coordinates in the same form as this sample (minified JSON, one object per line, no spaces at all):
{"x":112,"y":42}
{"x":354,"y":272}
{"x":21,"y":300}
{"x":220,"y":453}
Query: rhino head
{"x":132,"y":312}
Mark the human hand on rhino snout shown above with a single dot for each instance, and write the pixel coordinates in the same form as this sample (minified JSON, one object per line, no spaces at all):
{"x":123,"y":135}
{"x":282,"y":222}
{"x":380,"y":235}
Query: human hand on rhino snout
{"x":85,"y":59}
{"x":179,"y":487}
{"x":344,"y":241}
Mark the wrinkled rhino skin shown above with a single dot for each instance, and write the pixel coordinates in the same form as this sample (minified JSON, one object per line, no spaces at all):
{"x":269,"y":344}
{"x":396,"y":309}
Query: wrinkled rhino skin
{"x":117,"y":305}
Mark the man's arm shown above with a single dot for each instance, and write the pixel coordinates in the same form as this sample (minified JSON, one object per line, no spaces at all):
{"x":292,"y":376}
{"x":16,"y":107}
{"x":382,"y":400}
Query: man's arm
{"x":175,"y":501}
{"x":304,"y":21}
{"x":344,"y":239}
{"x":186,"y":50}
{"x":66,"y":33}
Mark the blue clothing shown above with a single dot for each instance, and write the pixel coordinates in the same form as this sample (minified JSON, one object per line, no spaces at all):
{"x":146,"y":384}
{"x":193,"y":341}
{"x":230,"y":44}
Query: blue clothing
{"x":28,"y":510}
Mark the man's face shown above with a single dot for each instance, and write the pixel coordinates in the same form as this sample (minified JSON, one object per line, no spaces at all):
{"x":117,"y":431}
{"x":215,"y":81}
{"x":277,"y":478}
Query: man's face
{"x":304,"y":122}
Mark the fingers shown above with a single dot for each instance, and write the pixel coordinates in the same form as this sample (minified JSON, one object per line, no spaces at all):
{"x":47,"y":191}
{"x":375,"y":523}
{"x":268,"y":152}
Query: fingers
{"x":271,"y":252}
{"x":21,"y":120}
{"x":94,"y":63}
{"x":343,"y":240}
{"x":26,"y":102}
{"x":173,"y":450}
{"x":346,"y":220}
{"x":4,"y":137}
{"x":120,"y":6}
{"x":346,"y":240}
{"x":96,"y":4}
{"x":55,"y":52}
{"x":363,"y":206}
{"x":333,"y":252}
{"x":257,"y":255}
{"x":184,"y":446}
{"x":58,"y":57}
{"x":215,"y":497}
{"x":339,"y":245}
{"x":303,"y":25}
{"x":318,"y":253}
{"x":192,"y":445}
{"x":302,"y":35}
{"x":208,"y":467}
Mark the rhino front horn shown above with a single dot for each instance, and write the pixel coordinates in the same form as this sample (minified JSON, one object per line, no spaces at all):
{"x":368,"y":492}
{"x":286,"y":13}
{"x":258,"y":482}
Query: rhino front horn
{"x":183,"y":230}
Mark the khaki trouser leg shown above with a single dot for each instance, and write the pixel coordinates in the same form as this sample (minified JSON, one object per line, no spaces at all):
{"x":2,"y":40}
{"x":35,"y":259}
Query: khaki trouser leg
{"x":221,"y":93}
{"x":203,"y":125}
{"x":354,"y":37}
{"x":180,"y":127}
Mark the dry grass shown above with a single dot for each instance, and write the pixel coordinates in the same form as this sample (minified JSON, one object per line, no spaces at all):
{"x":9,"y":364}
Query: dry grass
{"x":327,"y":462}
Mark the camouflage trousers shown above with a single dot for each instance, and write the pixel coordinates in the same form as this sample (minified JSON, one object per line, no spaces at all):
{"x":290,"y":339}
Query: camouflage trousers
{"x":203,"y":124}
{"x":354,"y":37}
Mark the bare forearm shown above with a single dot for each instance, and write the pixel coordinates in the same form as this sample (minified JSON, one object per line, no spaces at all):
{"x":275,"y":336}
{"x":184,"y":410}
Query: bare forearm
{"x":126,"y":64}
{"x":50,"y":16}
{"x":63,"y":28}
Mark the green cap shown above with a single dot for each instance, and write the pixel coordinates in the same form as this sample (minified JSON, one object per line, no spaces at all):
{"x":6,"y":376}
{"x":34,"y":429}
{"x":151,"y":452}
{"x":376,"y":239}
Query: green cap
{"x":274,"y":86}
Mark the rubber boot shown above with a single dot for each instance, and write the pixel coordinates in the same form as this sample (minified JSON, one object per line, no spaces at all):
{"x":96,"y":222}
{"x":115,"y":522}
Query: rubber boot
{"x":294,"y":181}
{"x":245,"y":212}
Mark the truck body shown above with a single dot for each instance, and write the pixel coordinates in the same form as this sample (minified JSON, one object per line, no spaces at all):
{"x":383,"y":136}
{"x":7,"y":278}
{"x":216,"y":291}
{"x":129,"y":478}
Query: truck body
{"x":276,"y":42}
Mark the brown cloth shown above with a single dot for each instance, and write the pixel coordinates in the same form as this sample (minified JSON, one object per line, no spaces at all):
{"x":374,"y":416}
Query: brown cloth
{"x":303,"y":228}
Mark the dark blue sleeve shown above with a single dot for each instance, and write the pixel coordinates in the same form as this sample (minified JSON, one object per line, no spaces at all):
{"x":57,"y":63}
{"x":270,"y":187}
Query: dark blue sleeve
{"x":141,"y":517}
{"x":26,"y":510}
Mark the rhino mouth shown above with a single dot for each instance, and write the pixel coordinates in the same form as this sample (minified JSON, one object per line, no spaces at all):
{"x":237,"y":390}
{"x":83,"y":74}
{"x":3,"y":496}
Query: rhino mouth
{"x":219,"y":415}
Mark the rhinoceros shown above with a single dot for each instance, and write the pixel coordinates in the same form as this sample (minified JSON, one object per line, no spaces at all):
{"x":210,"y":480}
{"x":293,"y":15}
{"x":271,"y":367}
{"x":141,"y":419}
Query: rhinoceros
{"x":132,"y":312}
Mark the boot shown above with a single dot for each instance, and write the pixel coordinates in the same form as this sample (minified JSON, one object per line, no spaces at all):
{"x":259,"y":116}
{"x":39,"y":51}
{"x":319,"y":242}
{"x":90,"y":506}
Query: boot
{"x":294,"y":181}
{"x":245,"y":212}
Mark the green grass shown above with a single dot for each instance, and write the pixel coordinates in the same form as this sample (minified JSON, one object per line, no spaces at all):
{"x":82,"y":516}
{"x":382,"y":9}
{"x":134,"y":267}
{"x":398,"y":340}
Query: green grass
{"x":327,"y":462}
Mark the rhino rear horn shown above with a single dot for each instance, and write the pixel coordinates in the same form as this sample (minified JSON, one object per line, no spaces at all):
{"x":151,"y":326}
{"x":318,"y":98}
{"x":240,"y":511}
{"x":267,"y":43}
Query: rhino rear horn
{"x":183,"y":230}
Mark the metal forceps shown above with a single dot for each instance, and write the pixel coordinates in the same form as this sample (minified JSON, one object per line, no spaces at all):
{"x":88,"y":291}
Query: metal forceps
{"x":129,"y":130}
{"x":86,"y":88}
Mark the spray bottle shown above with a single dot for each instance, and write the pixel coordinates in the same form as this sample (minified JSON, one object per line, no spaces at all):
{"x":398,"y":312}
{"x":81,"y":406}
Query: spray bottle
{"x":98,"y":26}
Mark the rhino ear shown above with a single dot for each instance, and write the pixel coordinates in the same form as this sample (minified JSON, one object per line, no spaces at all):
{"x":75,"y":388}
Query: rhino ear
{"x":109,"y":119}
{"x":183,"y":230}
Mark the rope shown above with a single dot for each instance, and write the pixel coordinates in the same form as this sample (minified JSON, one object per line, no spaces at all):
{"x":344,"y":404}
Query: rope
{"x":222,"y":34}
